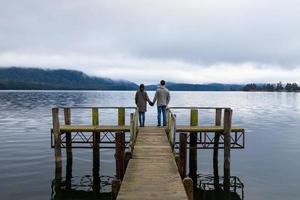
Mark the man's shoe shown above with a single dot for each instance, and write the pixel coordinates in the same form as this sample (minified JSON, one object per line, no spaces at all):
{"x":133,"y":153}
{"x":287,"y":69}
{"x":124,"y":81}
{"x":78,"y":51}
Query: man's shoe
{"x":158,"y":125}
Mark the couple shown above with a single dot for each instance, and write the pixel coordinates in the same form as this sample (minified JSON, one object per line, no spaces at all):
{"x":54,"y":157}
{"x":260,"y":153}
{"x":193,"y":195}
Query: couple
{"x":162,"y":96}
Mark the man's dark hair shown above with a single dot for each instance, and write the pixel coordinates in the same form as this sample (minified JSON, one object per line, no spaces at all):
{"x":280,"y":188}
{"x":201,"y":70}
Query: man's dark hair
{"x":162,"y":82}
{"x":142,"y":86}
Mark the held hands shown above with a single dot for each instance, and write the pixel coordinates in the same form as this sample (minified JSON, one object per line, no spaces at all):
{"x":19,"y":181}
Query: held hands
{"x":151,"y":104}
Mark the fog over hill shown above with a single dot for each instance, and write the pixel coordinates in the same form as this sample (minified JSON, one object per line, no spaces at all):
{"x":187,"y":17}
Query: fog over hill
{"x":16,"y":78}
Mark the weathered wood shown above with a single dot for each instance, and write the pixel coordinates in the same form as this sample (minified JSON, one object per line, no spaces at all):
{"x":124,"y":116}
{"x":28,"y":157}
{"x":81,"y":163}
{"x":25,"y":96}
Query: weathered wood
{"x":67,"y":118}
{"x":193,"y":148}
{"x":152,"y":172}
{"x":227,"y":130}
{"x":57,"y":143}
{"x":120,"y":146}
{"x":115,"y":187}
{"x":132,"y":132}
{"x":182,"y":154}
{"x":128,"y":156}
{"x":120,"y":156}
{"x":114,"y":128}
{"x":218,"y":119}
{"x":96,"y":142}
{"x":207,"y":129}
{"x":91,"y":128}
{"x":188,"y":185}
{"x":121,"y":116}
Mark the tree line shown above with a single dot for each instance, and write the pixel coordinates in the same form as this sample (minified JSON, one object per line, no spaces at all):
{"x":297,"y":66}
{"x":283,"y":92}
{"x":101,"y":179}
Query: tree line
{"x":270,"y":87}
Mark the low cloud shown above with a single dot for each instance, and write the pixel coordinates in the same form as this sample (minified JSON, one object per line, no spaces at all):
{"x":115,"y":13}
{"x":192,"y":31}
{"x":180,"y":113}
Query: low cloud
{"x":151,"y":71}
{"x":187,"y":41}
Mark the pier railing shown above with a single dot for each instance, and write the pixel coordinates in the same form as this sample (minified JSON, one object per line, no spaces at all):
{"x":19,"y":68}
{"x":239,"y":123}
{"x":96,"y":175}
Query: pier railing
{"x":93,"y":135}
{"x":122,"y":137}
{"x":82,"y":132}
{"x":194,"y":136}
{"x":206,"y":136}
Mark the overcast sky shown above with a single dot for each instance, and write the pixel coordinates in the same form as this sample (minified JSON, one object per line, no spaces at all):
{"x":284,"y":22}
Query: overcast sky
{"x":201,"y":41}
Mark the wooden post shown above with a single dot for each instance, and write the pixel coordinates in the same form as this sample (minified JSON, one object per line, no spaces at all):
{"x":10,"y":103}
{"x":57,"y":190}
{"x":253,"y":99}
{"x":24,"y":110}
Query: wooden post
{"x":120,"y":146}
{"x":57,"y":143}
{"x":57,"y":192}
{"x":121,"y":116}
{"x":96,"y":153}
{"x":115,"y":187}
{"x":120,"y":161}
{"x":193,"y":148}
{"x":67,"y":117}
{"x":227,"y":130}
{"x":182,"y":155}
{"x":132,"y":133}
{"x":189,"y":189}
{"x":216,"y":149}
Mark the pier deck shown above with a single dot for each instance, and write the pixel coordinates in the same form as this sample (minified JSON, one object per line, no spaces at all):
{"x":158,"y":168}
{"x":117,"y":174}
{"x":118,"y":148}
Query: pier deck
{"x":152,"y":172}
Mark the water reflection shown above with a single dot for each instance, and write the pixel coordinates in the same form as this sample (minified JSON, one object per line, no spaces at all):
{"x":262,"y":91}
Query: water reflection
{"x":81,"y":188}
{"x":208,"y":190}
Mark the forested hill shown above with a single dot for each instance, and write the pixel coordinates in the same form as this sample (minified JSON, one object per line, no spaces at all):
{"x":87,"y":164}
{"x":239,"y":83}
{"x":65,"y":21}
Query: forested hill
{"x":40,"y":79}
{"x":199,"y":87}
{"x":17,"y":78}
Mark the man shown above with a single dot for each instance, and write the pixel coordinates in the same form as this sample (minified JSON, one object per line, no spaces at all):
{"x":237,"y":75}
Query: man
{"x":141,"y":98}
{"x":162,"y":96}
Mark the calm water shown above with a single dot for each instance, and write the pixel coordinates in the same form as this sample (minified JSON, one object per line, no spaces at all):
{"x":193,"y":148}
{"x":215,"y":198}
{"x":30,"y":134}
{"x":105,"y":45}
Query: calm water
{"x":268,"y":166}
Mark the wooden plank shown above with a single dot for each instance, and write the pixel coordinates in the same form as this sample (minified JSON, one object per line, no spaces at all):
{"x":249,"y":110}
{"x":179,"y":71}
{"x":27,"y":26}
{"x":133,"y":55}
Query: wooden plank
{"x":152,"y":172}
{"x":113,"y":128}
{"x":208,"y":129}
{"x":91,"y":128}
{"x":182,"y":154}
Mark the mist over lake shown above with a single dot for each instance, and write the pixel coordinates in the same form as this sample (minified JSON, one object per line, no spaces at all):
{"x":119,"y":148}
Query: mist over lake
{"x":268,"y":166}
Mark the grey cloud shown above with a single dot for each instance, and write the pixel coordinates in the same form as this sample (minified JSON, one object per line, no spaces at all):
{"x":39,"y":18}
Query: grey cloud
{"x":197,"y":32}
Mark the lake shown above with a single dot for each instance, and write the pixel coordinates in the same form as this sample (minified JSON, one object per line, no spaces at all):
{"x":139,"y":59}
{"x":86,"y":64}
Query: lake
{"x":268,"y":166}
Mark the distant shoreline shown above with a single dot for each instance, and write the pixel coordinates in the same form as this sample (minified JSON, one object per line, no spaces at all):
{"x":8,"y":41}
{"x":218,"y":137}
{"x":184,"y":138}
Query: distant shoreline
{"x":86,"y":90}
{"x":18,"y":78}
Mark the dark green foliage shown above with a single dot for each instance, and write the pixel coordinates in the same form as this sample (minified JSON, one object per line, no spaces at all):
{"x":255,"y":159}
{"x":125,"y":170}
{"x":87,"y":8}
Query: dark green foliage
{"x":40,"y":79}
{"x":289,"y":87}
{"x":250,"y":87}
{"x":198,"y":87}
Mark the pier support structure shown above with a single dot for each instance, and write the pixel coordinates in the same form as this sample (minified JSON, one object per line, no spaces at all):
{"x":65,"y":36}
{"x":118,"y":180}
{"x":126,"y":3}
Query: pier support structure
{"x":57,"y":143}
{"x":192,"y":138}
{"x":193,"y":148}
{"x":67,"y":118}
{"x":227,"y":143}
{"x":218,"y":119}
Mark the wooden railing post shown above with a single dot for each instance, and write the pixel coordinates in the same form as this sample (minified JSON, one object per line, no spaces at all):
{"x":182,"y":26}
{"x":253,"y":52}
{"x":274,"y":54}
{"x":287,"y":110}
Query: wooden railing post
{"x":193,"y":148}
{"x":132,"y":133}
{"x":227,"y":143}
{"x":189,"y":188}
{"x":57,"y":143}
{"x":96,"y":151}
{"x":121,"y":116}
{"x":182,"y":154}
{"x":67,"y":117}
{"x":120,"y":146}
{"x":218,"y":119}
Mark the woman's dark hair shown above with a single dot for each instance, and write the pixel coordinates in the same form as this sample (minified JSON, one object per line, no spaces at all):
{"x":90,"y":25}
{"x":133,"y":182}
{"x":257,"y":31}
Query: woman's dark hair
{"x":162,"y":82}
{"x":142,"y":86}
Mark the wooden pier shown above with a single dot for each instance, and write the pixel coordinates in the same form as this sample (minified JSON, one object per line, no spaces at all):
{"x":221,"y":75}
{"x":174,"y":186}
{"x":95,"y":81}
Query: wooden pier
{"x":152,"y":172}
{"x":151,"y":162}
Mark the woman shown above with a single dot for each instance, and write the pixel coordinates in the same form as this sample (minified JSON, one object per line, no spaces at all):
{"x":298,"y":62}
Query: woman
{"x":141,"y":98}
